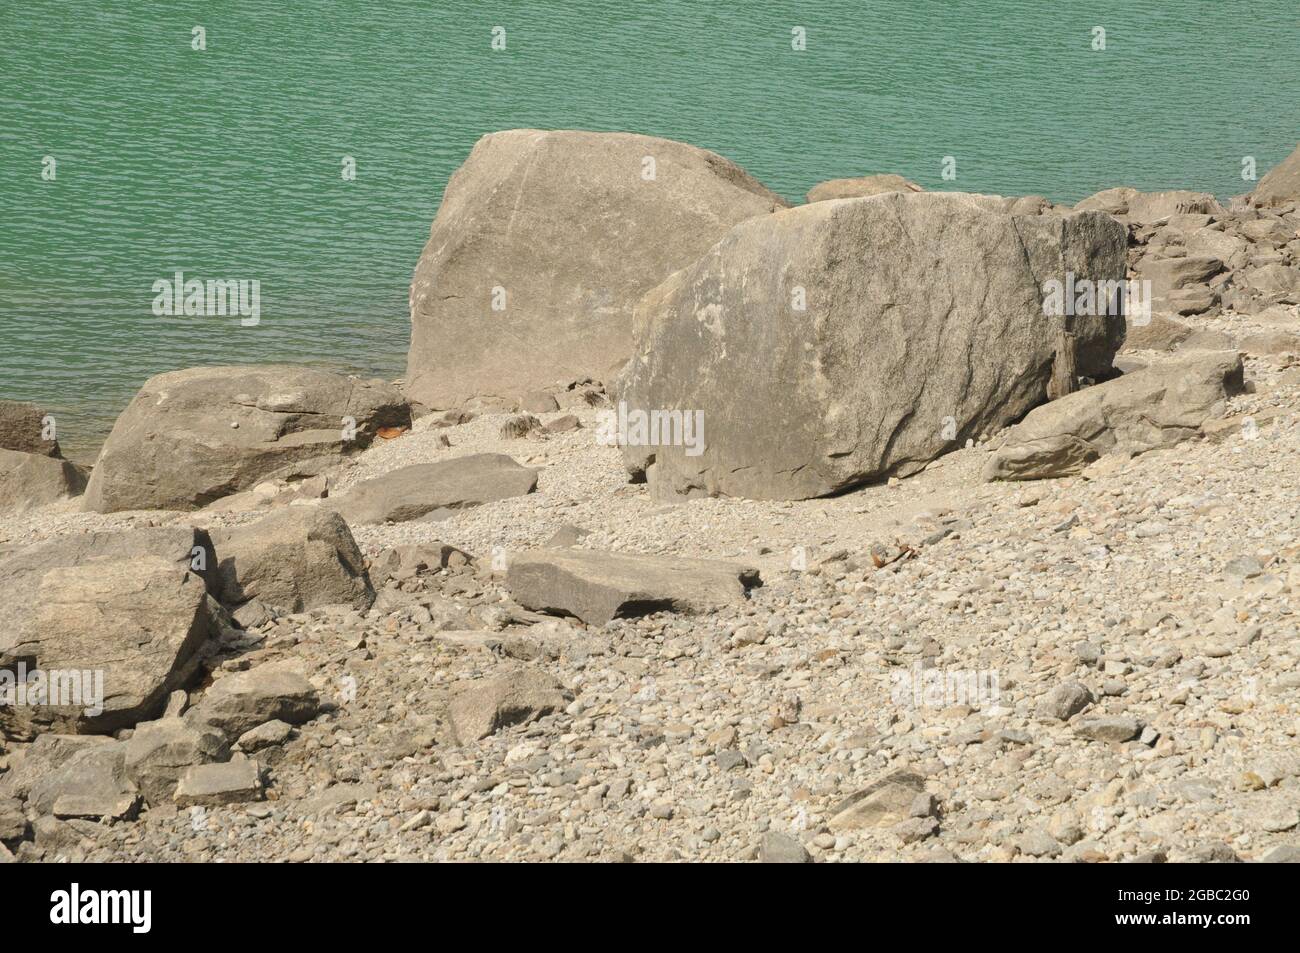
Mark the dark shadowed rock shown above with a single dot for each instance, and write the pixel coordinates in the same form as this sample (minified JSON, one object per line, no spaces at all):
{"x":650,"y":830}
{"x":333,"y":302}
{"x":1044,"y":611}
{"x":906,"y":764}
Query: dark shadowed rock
{"x":904,"y":347}
{"x":412,"y":492}
{"x":542,"y":246}
{"x":296,"y":559}
{"x":191,"y":437}
{"x":599,"y":586}
{"x":1155,"y":407}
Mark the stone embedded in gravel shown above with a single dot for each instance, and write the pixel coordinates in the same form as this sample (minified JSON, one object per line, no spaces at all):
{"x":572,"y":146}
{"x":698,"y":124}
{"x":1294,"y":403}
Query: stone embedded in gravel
{"x":518,"y":427}
{"x":778,"y":848}
{"x":120,"y":616}
{"x":93,"y":779}
{"x":411,"y":492}
{"x":539,"y":253}
{"x":1152,"y":408}
{"x":1116,"y":730}
{"x":1282,"y":854}
{"x":159,"y":752}
{"x":1037,"y":843}
{"x":563,"y":424}
{"x":885,"y":802}
{"x":264,"y":736}
{"x":212,"y":785}
{"x":481,"y":707}
{"x":29,"y":480}
{"x":22,"y":428}
{"x":296,"y":559}
{"x":884,"y":366}
{"x":1065,"y":701}
{"x":599,"y":586}
{"x":274,"y":691}
{"x":177,"y":447}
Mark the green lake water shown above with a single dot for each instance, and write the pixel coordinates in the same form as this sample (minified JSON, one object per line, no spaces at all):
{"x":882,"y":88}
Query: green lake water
{"x":226,"y":162}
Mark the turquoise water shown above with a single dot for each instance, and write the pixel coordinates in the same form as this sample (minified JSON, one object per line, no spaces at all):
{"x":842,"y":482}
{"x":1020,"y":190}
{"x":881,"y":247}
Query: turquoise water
{"x":227,"y":162}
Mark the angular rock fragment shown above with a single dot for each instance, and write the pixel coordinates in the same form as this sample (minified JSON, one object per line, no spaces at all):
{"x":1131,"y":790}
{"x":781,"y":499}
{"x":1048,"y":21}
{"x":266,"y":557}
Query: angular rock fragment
{"x":297,"y":559}
{"x":212,"y":785}
{"x":29,"y":480}
{"x":884,"y":803}
{"x":421,"y":489}
{"x":238,"y":703}
{"x":480,"y":708}
{"x":599,"y":586}
{"x":159,"y":752}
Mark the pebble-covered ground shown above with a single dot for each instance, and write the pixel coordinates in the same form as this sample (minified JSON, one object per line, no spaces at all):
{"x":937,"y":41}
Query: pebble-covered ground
{"x":1159,"y":592}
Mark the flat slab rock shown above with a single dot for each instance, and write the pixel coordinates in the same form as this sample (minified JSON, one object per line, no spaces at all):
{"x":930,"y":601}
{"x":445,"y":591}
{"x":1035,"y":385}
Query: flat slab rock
{"x":421,"y":489}
{"x":599,"y":586}
{"x":211,"y":785}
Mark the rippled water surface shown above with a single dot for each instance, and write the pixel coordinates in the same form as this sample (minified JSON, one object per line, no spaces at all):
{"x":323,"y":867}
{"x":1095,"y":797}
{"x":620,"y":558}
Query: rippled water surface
{"x":226,"y":163}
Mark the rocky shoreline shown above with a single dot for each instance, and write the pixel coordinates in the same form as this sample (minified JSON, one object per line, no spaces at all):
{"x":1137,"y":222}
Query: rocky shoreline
{"x":945,"y":578}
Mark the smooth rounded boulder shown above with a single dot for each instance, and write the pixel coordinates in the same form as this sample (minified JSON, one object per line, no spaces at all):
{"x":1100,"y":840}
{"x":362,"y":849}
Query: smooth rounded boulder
{"x":194,"y":436}
{"x":541,"y":248}
{"x":852,"y":340}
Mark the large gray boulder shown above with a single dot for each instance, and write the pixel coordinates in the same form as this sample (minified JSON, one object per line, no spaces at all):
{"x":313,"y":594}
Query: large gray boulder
{"x":113,"y":621}
{"x":30,"y":480}
{"x":599,"y":586}
{"x":193,"y":436}
{"x":22,"y":427}
{"x":297,"y":559}
{"x":542,"y":246}
{"x":1281,"y":185}
{"x":421,"y":489}
{"x":1158,"y":406}
{"x":923,"y":324}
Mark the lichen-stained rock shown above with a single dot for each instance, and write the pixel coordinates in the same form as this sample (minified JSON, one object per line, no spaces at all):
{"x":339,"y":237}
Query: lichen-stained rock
{"x":599,"y":586}
{"x":1281,"y":184}
{"x":297,"y":559}
{"x":113,"y":621}
{"x":29,"y":480}
{"x":542,"y":246}
{"x":194,"y":436}
{"x":847,"y":341}
{"x":483,"y":706}
{"x":418,"y":490}
{"x":1151,"y":408}
{"x":23,"y":428}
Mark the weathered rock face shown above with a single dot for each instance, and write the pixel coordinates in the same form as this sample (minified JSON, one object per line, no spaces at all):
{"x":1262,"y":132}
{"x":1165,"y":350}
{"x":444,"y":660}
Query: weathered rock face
{"x":271,"y":692}
{"x":114,"y":621}
{"x":159,"y":752}
{"x":1147,"y":207}
{"x":1155,"y":407}
{"x":31,"y":479}
{"x":22,"y":427}
{"x":1281,"y":185}
{"x":481,"y":707}
{"x":543,"y":244}
{"x":296,"y":559}
{"x":922,"y":325}
{"x":861,"y":187}
{"x":409,"y":493}
{"x":190,"y":437}
{"x":596,"y":586}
